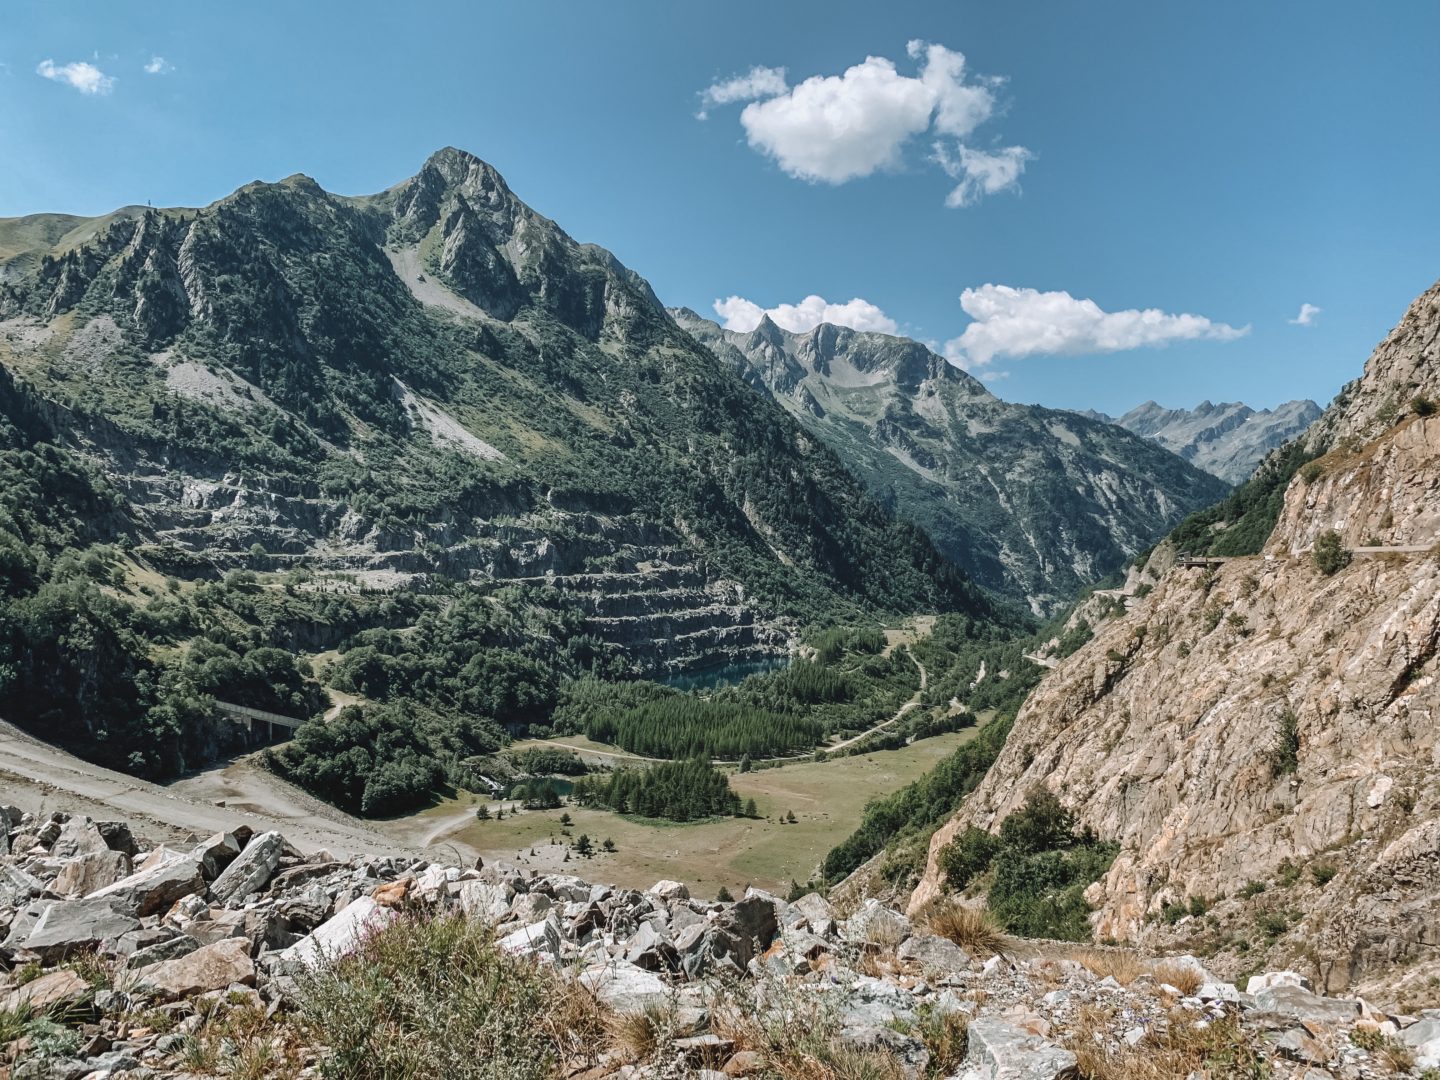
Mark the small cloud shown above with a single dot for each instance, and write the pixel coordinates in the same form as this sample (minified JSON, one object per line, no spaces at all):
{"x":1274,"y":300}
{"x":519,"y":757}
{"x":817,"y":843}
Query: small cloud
{"x":1306,"y":316}
{"x":82,"y":75}
{"x":158,"y":65}
{"x":757,"y":83}
{"x":1026,"y":322}
{"x":744,"y":315}
{"x":980,"y":172}
{"x":994,"y":376}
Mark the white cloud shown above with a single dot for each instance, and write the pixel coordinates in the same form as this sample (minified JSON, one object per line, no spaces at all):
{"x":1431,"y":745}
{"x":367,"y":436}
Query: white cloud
{"x":158,"y":65}
{"x":1023,"y":322}
{"x":758,"y":82}
{"x":980,"y":172}
{"x":835,"y":128}
{"x":83,"y":76}
{"x":1306,"y":316}
{"x":744,"y":315}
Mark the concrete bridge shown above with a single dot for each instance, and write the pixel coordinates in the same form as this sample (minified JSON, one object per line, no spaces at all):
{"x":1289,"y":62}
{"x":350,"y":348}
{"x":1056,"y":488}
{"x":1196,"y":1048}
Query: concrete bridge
{"x":248,"y":718}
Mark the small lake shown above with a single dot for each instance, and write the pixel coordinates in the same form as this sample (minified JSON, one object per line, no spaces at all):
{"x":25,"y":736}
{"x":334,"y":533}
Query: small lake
{"x":724,"y":675}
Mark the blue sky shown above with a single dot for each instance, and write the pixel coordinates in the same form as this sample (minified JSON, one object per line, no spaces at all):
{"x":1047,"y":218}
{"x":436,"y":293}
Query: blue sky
{"x":1227,"y":161}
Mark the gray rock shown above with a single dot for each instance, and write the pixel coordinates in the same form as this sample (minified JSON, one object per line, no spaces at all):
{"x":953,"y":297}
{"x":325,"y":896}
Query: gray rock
{"x":484,"y":900}
{"x":251,"y":871}
{"x":17,"y":888}
{"x":216,"y":853}
{"x":935,"y":955}
{"x":171,"y":949}
{"x":877,"y":925}
{"x":1001,"y":1051}
{"x":163,"y":878}
{"x":625,"y":987}
{"x":1298,"y":1004}
{"x":91,"y":872}
{"x":340,"y":934}
{"x":814,"y":908}
{"x":78,"y":836}
{"x":68,"y":926}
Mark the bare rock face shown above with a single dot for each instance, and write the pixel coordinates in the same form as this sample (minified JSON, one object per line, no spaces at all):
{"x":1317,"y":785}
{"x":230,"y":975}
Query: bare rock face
{"x":1245,"y":723}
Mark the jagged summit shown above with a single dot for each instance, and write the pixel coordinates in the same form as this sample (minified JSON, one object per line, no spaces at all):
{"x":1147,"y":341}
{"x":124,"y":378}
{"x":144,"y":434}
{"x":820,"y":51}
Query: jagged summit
{"x":1228,"y":439}
{"x":1032,"y":502}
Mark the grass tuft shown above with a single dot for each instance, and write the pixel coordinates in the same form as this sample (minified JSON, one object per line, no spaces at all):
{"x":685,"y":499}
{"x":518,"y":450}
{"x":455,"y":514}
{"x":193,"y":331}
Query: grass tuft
{"x":974,"y":929}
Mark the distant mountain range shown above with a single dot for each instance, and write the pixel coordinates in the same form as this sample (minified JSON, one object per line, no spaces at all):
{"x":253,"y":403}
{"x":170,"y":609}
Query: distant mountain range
{"x":1032,"y":502}
{"x":1227,"y":440}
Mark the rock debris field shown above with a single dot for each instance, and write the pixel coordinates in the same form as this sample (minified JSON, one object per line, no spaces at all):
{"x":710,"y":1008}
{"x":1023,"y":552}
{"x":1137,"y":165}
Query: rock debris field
{"x":119,"y":955}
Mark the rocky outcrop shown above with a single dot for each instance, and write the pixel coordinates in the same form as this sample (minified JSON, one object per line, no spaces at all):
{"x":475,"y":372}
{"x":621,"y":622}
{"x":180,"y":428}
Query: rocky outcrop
{"x":1261,"y":737}
{"x":1228,"y":439}
{"x":1034,"y":503}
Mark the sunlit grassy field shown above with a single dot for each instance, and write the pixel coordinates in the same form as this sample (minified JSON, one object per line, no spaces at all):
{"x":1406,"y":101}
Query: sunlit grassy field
{"x":826,"y":797}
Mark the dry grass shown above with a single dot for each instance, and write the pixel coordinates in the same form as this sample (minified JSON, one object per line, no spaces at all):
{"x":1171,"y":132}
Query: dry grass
{"x":1123,"y":965}
{"x":1182,"y":1049}
{"x":1183,"y":977}
{"x":796,"y":1039}
{"x":641,"y":1035}
{"x":974,"y":929}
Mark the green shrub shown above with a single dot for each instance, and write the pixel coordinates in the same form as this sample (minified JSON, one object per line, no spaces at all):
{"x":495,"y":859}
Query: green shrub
{"x":1329,"y":553}
{"x":967,"y":857}
{"x":1322,"y":873}
{"x":1422,"y":405}
{"x":1284,"y":754}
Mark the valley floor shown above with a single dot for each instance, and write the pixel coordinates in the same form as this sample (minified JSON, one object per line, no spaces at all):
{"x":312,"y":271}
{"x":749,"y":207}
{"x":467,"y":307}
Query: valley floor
{"x":827,"y":799}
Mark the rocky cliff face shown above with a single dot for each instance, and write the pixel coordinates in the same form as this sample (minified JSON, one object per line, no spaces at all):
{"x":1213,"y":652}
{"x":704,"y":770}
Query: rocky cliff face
{"x":1227,"y":440}
{"x":1032,"y":502}
{"x":1257,"y":725}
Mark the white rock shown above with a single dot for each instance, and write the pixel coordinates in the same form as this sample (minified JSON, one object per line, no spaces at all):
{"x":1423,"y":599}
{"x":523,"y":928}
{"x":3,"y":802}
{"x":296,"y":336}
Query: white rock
{"x":1276,"y":978}
{"x":340,"y":934}
{"x":669,"y":890}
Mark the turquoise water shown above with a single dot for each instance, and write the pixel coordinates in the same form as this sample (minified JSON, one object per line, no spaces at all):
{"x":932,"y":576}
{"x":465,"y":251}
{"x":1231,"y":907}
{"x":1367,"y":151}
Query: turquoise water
{"x":726,"y":675}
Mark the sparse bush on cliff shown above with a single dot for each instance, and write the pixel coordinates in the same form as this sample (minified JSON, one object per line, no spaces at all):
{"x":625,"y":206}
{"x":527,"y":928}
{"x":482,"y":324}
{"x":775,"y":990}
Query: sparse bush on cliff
{"x":1329,"y":553}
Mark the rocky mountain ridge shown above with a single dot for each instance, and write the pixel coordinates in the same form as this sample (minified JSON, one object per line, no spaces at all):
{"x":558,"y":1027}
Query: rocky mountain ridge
{"x":1258,"y":733}
{"x":435,"y":381}
{"x":1034,"y":503}
{"x":1227,"y":440}
{"x":123,"y":957}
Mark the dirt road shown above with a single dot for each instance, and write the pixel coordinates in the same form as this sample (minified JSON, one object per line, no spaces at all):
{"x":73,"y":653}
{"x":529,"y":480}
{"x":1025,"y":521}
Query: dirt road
{"x":37,"y":776}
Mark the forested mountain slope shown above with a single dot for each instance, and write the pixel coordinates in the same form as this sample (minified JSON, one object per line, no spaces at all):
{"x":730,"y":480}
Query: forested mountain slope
{"x":292,"y":403}
{"x":1033,"y":502}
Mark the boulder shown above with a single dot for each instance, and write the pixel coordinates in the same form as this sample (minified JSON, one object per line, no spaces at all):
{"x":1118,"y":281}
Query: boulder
{"x":752,"y":923}
{"x":69,"y":926}
{"x":1001,"y":1051}
{"x":17,"y":888}
{"x":251,"y":871}
{"x":340,"y":934}
{"x":935,"y":955}
{"x":91,"y":872}
{"x":1276,"y":978}
{"x":78,"y":836}
{"x":1424,"y":1038}
{"x":669,"y":890}
{"x":163,"y":878}
{"x":625,"y":987}
{"x":814,"y":909}
{"x":54,"y":992}
{"x":876,"y":924}
{"x":118,"y":837}
{"x":1291,"y":1001}
{"x":216,"y":853}
{"x":169,"y":949}
{"x":484,"y":900}
{"x":213,"y":967}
